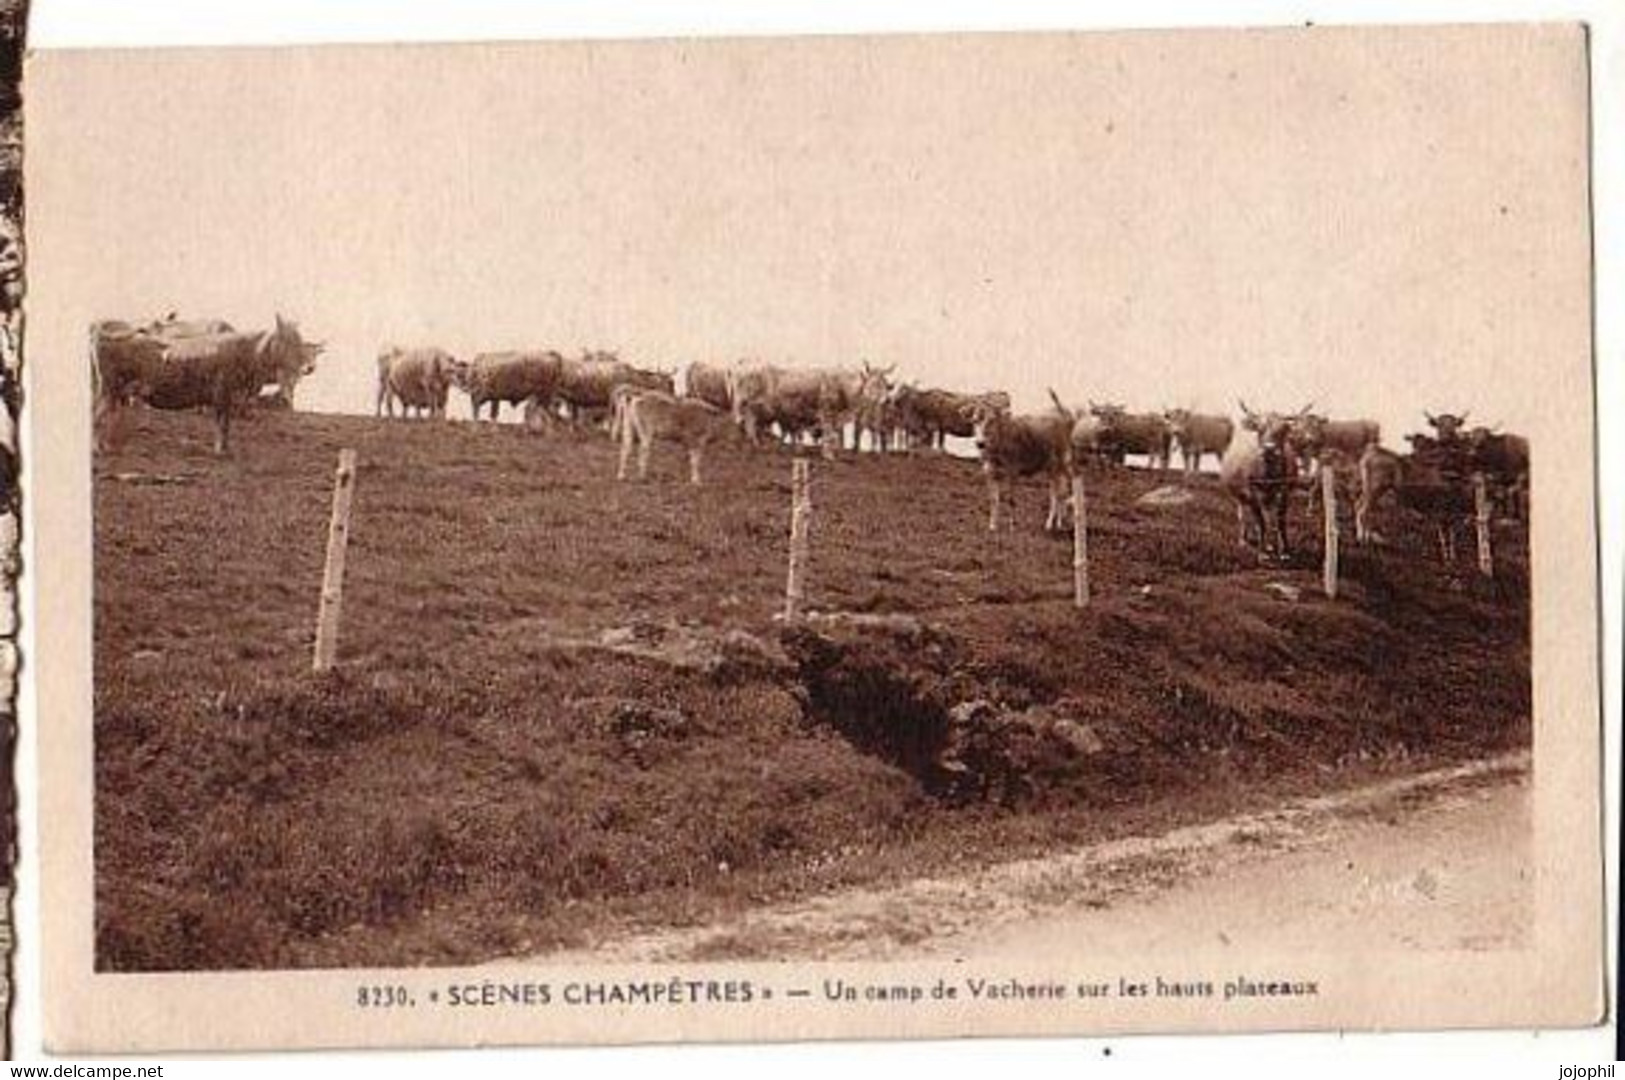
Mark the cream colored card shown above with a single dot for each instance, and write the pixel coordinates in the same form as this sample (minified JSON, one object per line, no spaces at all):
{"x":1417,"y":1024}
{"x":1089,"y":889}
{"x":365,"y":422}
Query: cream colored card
{"x":574,"y":780}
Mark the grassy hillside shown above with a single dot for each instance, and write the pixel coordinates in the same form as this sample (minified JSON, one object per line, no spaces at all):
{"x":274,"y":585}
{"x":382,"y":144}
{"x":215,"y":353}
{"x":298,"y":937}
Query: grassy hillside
{"x":564,"y":703}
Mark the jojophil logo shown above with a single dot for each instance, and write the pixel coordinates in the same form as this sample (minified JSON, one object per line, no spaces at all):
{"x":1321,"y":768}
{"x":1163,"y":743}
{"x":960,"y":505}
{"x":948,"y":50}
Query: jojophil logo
{"x":1586,"y":1072}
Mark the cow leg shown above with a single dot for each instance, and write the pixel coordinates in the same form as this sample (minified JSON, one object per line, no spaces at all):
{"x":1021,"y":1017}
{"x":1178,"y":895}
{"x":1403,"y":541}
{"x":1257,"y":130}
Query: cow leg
{"x":645,"y":444}
{"x":626,"y":452}
{"x":222,"y":427}
{"x":830,"y":439}
{"x":1255,"y":527}
{"x":993,"y":505}
{"x":694,"y":465}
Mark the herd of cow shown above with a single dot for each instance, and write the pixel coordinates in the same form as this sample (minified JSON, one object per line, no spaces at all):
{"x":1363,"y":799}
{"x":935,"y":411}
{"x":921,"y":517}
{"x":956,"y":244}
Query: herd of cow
{"x":172,"y":363}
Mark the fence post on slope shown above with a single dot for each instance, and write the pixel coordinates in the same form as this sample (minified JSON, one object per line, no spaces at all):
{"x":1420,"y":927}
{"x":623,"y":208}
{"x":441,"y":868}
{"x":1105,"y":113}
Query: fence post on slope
{"x":1481,"y":517}
{"x":795,"y":585}
{"x":338,"y":536}
{"x":1328,"y":502}
{"x":1080,"y":544}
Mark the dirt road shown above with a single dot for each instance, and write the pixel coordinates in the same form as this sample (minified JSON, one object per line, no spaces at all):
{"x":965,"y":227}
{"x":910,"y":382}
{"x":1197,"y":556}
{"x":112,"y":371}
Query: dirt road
{"x":1440,"y":860}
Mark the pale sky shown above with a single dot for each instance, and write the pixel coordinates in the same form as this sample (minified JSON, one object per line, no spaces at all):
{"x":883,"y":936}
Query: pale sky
{"x":1380,"y":221}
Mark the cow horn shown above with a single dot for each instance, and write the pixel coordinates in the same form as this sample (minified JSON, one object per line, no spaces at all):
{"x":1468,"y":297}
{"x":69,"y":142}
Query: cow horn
{"x":1431,"y":419}
{"x":1464,"y":416}
{"x":1062,"y":409}
{"x":1245,"y":410}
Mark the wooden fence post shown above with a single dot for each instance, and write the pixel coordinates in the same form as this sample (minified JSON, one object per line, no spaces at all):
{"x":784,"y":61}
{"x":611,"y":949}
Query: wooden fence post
{"x":338,"y":536}
{"x":1080,"y":544}
{"x":1481,"y":516}
{"x":795,"y":585}
{"x":1328,"y":501}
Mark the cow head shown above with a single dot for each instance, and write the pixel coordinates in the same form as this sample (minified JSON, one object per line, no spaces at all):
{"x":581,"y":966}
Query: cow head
{"x":983,"y":413}
{"x":872,"y":384}
{"x":1276,"y":431}
{"x":1179,"y":422}
{"x":983,"y":410}
{"x":1478,"y":438}
{"x":291,"y":356}
{"x":1250,"y":421}
{"x":1448,"y":426}
{"x":1308,"y":430}
{"x":458,"y":372}
{"x":1422,"y":444}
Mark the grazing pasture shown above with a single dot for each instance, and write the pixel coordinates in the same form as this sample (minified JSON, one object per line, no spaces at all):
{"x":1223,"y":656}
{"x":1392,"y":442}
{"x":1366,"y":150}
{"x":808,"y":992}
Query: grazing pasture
{"x":563,"y":703}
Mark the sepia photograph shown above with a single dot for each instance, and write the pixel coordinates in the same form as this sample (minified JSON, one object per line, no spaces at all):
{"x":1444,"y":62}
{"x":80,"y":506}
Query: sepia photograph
{"x":796,"y":537}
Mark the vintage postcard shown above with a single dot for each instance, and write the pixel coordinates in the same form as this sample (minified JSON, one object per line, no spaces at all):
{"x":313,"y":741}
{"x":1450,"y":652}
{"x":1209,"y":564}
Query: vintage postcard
{"x":762,"y":539}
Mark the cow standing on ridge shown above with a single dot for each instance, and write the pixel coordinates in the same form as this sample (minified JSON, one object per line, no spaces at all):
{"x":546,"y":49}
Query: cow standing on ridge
{"x":1322,"y":441}
{"x":530,"y":379}
{"x":1503,"y":459}
{"x":707,"y":383}
{"x":419,"y":379}
{"x":1260,"y":474}
{"x":585,"y":384}
{"x":1199,"y":434}
{"x":223,"y":371}
{"x":929,"y":415}
{"x":823,"y":400}
{"x":1429,"y":482}
{"x":1122,"y":433}
{"x":646,"y":417}
{"x":1014,"y":447}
